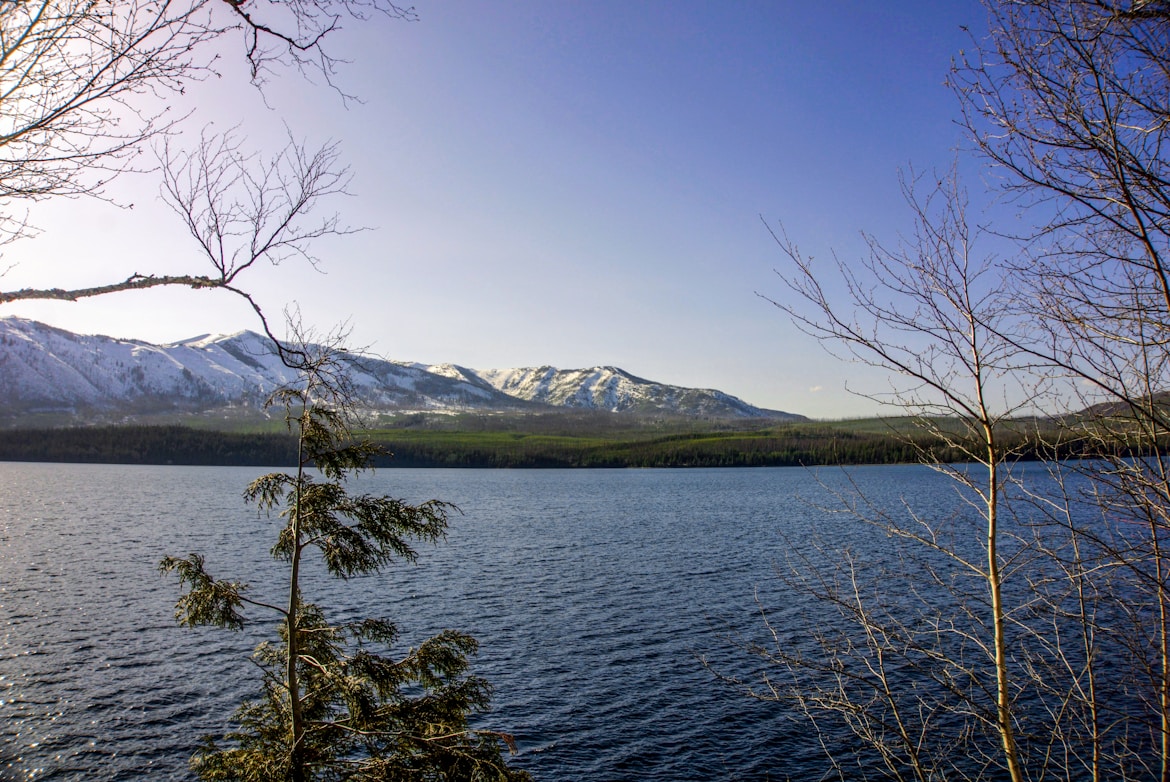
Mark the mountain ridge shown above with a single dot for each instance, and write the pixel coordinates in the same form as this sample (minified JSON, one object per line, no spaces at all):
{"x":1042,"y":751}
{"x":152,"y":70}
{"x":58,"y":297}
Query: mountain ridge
{"x":48,"y":370}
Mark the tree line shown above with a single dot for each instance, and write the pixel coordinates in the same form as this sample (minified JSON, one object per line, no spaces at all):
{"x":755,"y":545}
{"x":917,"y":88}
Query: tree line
{"x":787,"y":446}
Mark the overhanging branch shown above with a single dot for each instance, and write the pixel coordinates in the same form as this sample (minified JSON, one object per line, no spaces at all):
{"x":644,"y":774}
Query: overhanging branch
{"x":134,"y":282}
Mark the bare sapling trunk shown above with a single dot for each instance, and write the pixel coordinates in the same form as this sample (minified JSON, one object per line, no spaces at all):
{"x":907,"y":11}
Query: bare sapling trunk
{"x":928,"y":312}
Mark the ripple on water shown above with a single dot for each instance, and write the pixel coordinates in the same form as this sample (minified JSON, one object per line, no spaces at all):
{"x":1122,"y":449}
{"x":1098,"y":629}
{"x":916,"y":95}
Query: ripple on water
{"x":589,"y":591}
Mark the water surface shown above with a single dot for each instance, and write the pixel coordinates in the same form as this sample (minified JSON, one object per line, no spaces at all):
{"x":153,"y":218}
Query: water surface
{"x":593,"y":593}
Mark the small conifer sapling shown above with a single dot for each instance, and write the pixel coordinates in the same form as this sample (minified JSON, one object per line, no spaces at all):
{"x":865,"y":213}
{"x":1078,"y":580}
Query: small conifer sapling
{"x":336,"y":704}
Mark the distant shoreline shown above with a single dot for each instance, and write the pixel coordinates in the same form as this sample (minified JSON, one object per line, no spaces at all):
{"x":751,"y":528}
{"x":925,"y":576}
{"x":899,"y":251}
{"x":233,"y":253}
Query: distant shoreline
{"x":803,"y":444}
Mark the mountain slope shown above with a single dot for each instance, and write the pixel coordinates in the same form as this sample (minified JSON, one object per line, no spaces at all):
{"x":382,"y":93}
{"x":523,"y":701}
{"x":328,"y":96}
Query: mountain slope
{"x":613,"y":389}
{"x":49,"y":370}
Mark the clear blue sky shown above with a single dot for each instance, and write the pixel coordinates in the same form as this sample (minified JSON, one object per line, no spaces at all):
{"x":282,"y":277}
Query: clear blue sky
{"x":569,"y":184}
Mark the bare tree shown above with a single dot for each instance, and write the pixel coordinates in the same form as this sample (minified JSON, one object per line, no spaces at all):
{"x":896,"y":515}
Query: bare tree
{"x":1021,"y":636}
{"x":1071,"y":101}
{"x":930,"y":311}
{"x":280,"y":33}
{"x":240,"y":209}
{"x":83,"y":85}
{"x":74,"y":78}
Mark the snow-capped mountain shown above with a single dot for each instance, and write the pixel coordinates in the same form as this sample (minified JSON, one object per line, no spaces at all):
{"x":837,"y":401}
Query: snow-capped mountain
{"x":45,"y":369}
{"x":610,"y":388}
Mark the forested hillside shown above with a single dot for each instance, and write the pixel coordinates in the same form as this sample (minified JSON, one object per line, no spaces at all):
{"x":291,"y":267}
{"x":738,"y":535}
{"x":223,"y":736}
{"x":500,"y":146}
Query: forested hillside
{"x":870,"y":441}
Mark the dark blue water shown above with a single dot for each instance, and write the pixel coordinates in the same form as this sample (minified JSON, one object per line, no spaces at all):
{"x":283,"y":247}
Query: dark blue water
{"x":593,"y":594}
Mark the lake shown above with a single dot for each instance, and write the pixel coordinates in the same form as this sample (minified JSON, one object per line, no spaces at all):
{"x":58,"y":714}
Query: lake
{"x":593,"y":594}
